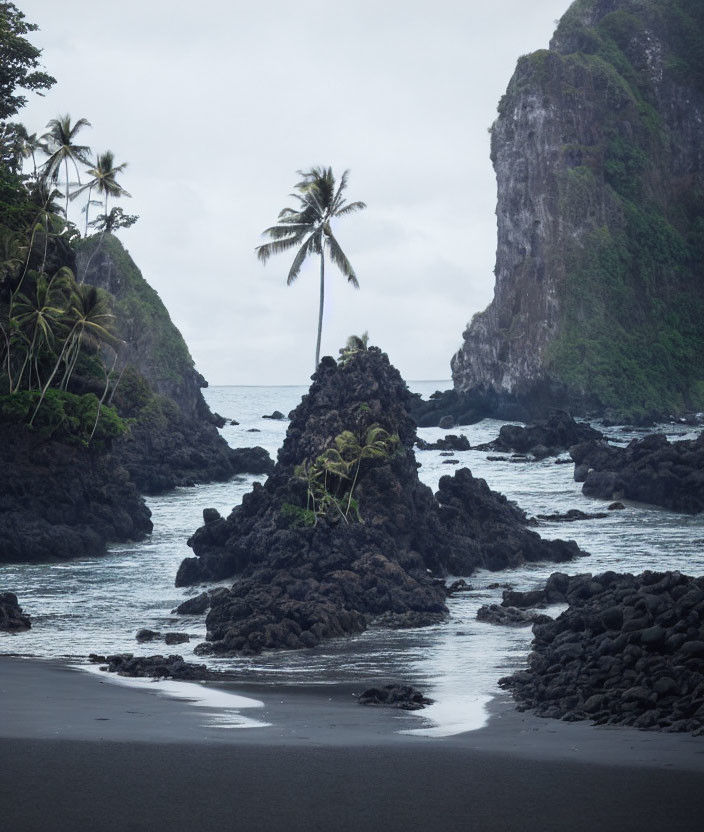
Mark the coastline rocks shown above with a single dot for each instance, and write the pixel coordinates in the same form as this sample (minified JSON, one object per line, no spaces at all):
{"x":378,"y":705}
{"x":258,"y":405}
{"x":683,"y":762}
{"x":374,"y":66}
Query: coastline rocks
{"x":451,"y":442}
{"x":277,"y":415}
{"x":456,"y":408}
{"x":404,"y":697}
{"x":650,"y":470}
{"x":343,"y":533}
{"x":509,"y":616}
{"x":155,"y":667}
{"x":251,"y":461}
{"x":545,"y":438}
{"x":12,"y":619}
{"x":61,"y":501}
{"x":572,"y":515}
{"x":145,"y":635}
{"x":629,"y":650}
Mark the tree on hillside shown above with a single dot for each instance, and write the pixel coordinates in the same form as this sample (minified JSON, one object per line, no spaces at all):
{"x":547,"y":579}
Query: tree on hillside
{"x":104,"y":181}
{"x":18,"y":61}
{"x":61,"y":148}
{"x":308,"y":226}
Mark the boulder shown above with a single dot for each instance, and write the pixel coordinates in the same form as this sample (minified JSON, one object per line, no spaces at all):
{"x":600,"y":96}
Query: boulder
{"x":509,"y":616}
{"x":12,"y":618}
{"x":251,"y":461}
{"x":403,"y":697}
{"x":649,"y":470}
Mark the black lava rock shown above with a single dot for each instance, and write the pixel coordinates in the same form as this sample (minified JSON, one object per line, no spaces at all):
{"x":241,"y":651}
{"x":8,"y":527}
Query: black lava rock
{"x":650,"y":470}
{"x":404,"y":697}
{"x":629,"y":650}
{"x":12,"y":619}
{"x":307,"y":575}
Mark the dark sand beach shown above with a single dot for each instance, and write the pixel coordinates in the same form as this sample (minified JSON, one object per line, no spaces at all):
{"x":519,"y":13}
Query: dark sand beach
{"x":82,"y":753}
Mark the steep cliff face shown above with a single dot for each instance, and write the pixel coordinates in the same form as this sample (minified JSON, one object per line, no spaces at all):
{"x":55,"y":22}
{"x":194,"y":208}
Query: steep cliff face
{"x":599,"y":156}
{"x":153,"y":345}
{"x":173,"y":440}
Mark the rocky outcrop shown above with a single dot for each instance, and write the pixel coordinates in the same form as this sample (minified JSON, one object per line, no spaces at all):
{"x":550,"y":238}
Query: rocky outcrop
{"x":173,"y":440}
{"x":60,"y":500}
{"x":155,"y":667}
{"x":547,"y":437}
{"x":509,"y":616}
{"x":12,"y":619}
{"x":650,"y":470}
{"x":599,"y":299}
{"x":629,"y":650}
{"x":343,"y":532}
{"x":403,"y":697}
{"x":451,"y":442}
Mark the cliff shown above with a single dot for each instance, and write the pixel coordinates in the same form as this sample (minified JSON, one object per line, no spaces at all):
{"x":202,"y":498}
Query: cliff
{"x":173,"y":440}
{"x":599,"y":157}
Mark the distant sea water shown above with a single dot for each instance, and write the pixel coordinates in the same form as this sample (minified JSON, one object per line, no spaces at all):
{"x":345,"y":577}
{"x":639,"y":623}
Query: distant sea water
{"x":96,"y":605}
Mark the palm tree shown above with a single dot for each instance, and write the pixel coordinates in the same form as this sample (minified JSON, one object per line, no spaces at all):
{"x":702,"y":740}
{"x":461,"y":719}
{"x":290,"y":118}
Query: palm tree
{"x":103,"y":181}
{"x":309,"y":227}
{"x":61,"y":148}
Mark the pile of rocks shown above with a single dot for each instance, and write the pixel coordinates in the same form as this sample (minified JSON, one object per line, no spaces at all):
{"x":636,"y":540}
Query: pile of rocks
{"x":650,"y":470}
{"x":154,"y":667}
{"x":404,"y":697}
{"x":629,"y":650}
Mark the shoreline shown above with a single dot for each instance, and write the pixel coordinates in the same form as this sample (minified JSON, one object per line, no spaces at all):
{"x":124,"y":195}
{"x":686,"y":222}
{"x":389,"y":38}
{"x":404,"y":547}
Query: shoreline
{"x":90,"y":753}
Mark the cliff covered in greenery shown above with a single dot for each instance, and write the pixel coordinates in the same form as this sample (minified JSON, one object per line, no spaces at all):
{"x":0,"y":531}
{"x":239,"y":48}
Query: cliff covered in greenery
{"x":599,"y":155}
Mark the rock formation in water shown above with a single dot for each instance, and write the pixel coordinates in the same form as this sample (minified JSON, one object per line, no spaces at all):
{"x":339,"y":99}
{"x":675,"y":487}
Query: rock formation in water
{"x":629,"y":650}
{"x":599,"y":156}
{"x":12,"y":618}
{"x":650,"y":470}
{"x":343,"y":532}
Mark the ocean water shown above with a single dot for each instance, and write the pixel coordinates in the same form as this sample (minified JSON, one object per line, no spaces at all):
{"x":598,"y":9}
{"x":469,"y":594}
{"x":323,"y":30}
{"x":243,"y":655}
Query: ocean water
{"x":96,"y":605}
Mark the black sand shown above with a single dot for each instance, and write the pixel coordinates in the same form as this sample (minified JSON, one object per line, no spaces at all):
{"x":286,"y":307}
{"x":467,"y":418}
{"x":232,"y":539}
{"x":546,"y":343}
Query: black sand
{"x":81,"y":753}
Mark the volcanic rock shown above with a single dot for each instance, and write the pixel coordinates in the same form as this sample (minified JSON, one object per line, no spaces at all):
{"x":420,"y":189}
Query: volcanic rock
{"x":403,"y":697}
{"x":650,"y":470}
{"x":251,"y":461}
{"x":451,"y":442}
{"x":157,"y":667}
{"x":12,"y":619}
{"x":548,"y":437}
{"x":629,"y":650}
{"x":343,"y":532}
{"x":509,"y":616}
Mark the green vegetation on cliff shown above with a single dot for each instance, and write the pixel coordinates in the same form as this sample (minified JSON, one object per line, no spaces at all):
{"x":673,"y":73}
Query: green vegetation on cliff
{"x":632,"y":298}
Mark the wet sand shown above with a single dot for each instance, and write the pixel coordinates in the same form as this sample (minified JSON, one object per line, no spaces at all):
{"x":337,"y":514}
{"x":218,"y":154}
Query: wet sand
{"x":80,"y":752}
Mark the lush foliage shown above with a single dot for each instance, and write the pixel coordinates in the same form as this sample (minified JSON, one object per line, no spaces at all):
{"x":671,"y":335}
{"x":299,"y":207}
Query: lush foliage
{"x":632,"y":331}
{"x":64,"y":416}
{"x":332,"y":477}
{"x":52,"y":329}
{"x":19,"y":61}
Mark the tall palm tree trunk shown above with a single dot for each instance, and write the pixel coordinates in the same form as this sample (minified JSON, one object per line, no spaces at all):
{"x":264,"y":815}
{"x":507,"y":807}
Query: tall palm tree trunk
{"x":90,"y":191}
{"x":320,"y":311}
{"x":66,"y":167}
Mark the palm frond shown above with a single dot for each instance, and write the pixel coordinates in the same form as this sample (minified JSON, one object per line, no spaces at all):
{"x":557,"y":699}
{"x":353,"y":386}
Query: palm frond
{"x":265,"y":251}
{"x":339,"y":258}
{"x":298,"y":260}
{"x":351,"y":208}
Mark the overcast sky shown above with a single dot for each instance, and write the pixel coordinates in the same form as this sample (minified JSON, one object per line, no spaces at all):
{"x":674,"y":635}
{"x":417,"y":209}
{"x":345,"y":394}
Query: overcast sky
{"x":215,"y":105}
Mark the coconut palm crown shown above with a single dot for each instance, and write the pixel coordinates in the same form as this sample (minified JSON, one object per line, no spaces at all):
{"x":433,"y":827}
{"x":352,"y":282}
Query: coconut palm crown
{"x":103,"y":180}
{"x":308,"y":227}
{"x":61,"y":147}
